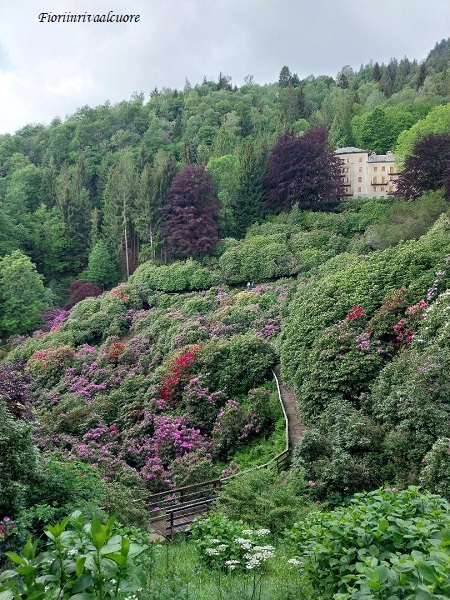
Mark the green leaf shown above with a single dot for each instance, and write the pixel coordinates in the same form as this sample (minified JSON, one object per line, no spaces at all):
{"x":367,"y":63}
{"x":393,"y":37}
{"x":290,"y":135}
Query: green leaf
{"x":383,"y":524}
{"x":16,"y":558}
{"x":29,"y":550}
{"x":117,"y":558}
{"x":79,"y":565}
{"x":83,"y":583}
{"x":98,"y":534}
{"x":26,"y":570}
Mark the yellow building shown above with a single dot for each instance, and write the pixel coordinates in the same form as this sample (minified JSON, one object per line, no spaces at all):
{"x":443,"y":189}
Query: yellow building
{"x":367,"y":175}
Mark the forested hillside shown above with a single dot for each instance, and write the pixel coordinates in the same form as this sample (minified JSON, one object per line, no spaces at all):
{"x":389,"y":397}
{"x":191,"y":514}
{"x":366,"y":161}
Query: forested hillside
{"x":158,"y":260}
{"x":103,"y":174}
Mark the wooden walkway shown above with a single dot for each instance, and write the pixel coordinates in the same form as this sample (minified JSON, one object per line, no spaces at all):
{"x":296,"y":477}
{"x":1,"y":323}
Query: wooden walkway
{"x":172,"y":511}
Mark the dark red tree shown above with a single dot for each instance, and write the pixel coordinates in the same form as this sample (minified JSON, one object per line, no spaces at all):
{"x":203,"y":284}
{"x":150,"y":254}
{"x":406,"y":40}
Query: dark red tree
{"x":79,"y":290}
{"x":191,"y":216}
{"x":425,"y":168}
{"x":304,"y":170}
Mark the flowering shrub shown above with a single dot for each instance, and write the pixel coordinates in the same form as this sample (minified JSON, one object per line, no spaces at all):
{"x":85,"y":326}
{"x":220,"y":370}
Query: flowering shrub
{"x":356,"y":312}
{"x":228,"y":428}
{"x":201,"y":407}
{"x":175,"y":374}
{"x":54,"y":319}
{"x":115,"y":352}
{"x":49,"y":364}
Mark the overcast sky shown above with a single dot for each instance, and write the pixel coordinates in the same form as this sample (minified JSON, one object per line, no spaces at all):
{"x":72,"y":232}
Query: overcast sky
{"x":51,"y":69}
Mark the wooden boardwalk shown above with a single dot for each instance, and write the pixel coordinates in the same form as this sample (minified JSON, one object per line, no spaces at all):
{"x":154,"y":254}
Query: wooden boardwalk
{"x":175,"y":509}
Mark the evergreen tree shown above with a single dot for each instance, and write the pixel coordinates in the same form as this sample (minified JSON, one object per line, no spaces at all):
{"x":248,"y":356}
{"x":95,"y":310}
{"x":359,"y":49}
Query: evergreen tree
{"x":101,"y":269}
{"x":285,"y":77}
{"x":119,"y":198}
{"x":253,"y":161}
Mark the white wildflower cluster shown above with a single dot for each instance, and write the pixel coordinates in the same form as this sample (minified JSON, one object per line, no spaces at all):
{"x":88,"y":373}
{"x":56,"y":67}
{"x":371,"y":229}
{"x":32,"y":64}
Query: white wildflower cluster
{"x":258,"y":555}
{"x":212,"y":551}
{"x":72,"y":552}
{"x":294,"y":561}
{"x":132,"y":597}
{"x":216,"y":550}
{"x":244,"y":543}
{"x":232,"y":564}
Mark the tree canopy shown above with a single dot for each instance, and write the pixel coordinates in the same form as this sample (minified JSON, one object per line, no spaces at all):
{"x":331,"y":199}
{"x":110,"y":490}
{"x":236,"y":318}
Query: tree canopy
{"x":302,"y":170}
{"x":191,"y":216}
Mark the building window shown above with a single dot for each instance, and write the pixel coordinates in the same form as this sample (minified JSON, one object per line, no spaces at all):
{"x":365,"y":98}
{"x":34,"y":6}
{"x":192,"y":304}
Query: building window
{"x":360,"y":159}
{"x":382,"y":189}
{"x":391,"y":188}
{"x":391,"y":169}
{"x":359,"y":189}
{"x":383,"y":168}
{"x":383,"y":180}
{"x":348,"y":160}
{"x":360,"y":169}
{"x":375,"y":168}
{"x":359,"y":179}
{"x":374,"y":179}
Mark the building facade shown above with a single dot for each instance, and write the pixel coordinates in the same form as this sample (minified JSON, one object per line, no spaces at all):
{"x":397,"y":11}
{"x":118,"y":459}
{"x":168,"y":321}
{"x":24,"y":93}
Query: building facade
{"x":367,"y":175}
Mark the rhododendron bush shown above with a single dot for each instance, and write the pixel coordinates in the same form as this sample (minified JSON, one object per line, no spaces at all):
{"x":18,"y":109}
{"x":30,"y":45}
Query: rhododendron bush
{"x":155,"y":395}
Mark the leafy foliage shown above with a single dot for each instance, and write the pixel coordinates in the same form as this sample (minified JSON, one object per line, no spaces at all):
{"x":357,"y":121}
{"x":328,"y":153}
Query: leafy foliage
{"x":386,"y":543}
{"x":424,"y":168}
{"x":302,"y":170}
{"x":190,"y":220}
{"x":89,"y":561}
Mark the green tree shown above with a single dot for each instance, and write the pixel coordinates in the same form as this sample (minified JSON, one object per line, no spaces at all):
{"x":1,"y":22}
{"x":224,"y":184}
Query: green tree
{"x":22,"y":293}
{"x":253,"y":159}
{"x":119,"y":198}
{"x":226,"y":172}
{"x":101,"y":269}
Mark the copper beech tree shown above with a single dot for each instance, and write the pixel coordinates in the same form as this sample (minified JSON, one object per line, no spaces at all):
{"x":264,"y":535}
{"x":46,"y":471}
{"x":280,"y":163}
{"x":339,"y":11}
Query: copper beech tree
{"x":303,"y":170}
{"x":191,"y":216}
{"x":426,"y":168}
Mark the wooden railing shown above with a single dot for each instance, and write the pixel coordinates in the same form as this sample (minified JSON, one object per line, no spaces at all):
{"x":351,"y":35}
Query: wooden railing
{"x":173,"y":510}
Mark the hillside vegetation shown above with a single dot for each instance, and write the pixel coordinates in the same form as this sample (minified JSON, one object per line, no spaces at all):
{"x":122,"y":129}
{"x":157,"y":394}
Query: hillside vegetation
{"x":111,"y":392}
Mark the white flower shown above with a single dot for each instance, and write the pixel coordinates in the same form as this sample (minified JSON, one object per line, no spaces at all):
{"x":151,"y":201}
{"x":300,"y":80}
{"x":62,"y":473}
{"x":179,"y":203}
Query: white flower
{"x":244,"y":543}
{"x":293,"y":561}
{"x":247,"y":531}
{"x":212,"y":551}
{"x":262,"y":532}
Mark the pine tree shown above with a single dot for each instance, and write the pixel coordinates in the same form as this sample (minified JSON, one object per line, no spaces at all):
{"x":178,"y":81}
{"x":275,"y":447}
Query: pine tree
{"x":101,"y":269}
{"x":119,"y":198}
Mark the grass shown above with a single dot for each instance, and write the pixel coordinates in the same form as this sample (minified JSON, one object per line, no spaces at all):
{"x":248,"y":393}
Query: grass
{"x":179,"y":574}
